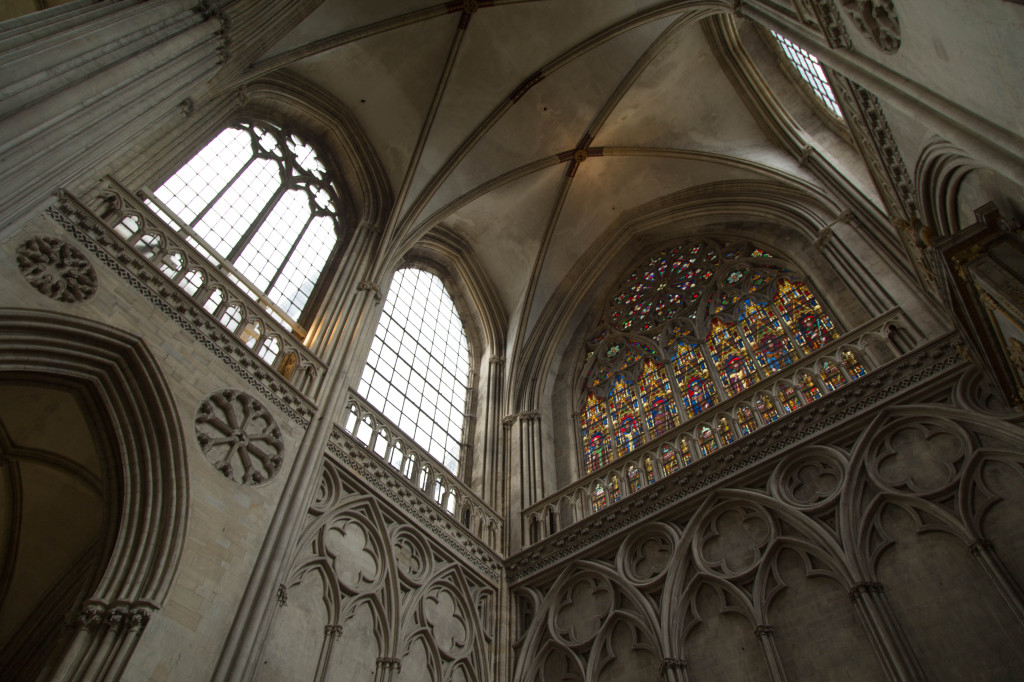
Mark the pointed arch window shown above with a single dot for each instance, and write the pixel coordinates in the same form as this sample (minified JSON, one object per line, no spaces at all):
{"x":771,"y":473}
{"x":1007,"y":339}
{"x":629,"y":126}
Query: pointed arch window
{"x":261,"y":198}
{"x":691,"y":327}
{"x":417,"y":372}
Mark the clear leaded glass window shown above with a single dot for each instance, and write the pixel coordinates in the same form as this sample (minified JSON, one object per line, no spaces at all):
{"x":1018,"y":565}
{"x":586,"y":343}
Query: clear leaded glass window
{"x":261,"y":198}
{"x":417,"y":373}
{"x":809,"y":68}
{"x":690,"y":328}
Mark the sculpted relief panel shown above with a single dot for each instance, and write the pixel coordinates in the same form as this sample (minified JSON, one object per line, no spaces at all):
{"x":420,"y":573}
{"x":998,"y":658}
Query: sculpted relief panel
{"x":864,"y":558}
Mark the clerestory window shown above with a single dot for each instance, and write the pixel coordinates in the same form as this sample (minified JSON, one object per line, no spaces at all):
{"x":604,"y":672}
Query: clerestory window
{"x":692,"y":327}
{"x":417,"y":372}
{"x":261,"y":199}
{"x":810,"y":70}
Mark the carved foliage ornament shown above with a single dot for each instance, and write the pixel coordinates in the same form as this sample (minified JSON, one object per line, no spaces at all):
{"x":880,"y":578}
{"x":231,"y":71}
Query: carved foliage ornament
{"x":57,"y":269}
{"x":877,"y":20}
{"x":239,"y":437}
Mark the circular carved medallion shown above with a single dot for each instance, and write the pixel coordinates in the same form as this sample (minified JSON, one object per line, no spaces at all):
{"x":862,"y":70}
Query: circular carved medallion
{"x":239,"y":437}
{"x":57,"y":269}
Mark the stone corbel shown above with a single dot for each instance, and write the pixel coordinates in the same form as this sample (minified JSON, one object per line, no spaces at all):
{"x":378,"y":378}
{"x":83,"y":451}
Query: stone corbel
{"x":367,"y":285}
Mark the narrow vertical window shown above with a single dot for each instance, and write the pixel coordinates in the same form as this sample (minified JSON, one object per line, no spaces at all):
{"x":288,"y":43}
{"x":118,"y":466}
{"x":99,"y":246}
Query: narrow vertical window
{"x":624,"y":410}
{"x":656,"y":395}
{"x":417,"y":372}
{"x":595,"y":433}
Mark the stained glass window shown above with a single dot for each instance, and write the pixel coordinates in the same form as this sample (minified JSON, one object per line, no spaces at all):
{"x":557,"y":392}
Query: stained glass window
{"x":706,"y":440}
{"x":808,"y":388}
{"x":745,"y":421}
{"x":649,"y":470}
{"x":670,"y":459}
{"x":852,"y":364}
{"x":831,"y":375}
{"x":595,"y":433}
{"x":624,"y":412}
{"x":771,"y":346}
{"x":656,"y":395}
{"x":730,"y":357}
{"x":613,"y":489}
{"x":725,"y":435}
{"x":801,"y":312}
{"x":261,"y":198}
{"x":695,"y":384}
{"x":690,"y":327}
{"x":788,"y":397}
{"x":598,"y":500}
{"x":633,"y":476}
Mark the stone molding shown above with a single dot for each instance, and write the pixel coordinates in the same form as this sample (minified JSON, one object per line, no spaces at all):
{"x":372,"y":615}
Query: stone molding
{"x":386,"y":480}
{"x":130,"y":388}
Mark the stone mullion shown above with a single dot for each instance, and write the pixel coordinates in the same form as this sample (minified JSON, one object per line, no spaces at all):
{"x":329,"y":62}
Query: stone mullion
{"x":677,"y":391}
{"x":642,"y":412}
{"x":492,"y":461}
{"x":388,"y":669}
{"x":673,"y":669}
{"x":530,"y":439}
{"x":766,"y":638}
{"x":984,"y":551}
{"x":716,"y":376}
{"x":331,"y":633}
{"x":509,"y":445}
{"x":883,"y":629}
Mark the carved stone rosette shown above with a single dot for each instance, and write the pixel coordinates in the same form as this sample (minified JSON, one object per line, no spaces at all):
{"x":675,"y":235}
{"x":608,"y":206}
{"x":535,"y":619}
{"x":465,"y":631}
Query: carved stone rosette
{"x":57,"y":269}
{"x":239,"y":437}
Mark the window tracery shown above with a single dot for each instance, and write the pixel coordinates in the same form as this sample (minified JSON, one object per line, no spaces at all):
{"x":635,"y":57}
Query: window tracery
{"x":691,"y":327}
{"x":261,"y":198}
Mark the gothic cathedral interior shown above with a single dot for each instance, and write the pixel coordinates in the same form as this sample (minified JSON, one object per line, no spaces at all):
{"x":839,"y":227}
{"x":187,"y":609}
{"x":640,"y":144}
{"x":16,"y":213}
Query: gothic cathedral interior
{"x":511,"y":340}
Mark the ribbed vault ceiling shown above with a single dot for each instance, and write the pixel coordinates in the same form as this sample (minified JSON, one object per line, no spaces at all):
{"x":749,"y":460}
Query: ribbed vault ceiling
{"x":478,"y":118}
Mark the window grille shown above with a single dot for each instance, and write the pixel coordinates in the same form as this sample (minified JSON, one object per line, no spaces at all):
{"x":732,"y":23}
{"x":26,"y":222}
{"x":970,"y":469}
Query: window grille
{"x":417,"y":372}
{"x":261,"y":199}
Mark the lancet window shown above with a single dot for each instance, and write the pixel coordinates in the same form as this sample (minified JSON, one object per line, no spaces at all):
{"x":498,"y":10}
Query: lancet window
{"x":261,"y":199}
{"x":417,"y":372}
{"x":687,"y":330}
